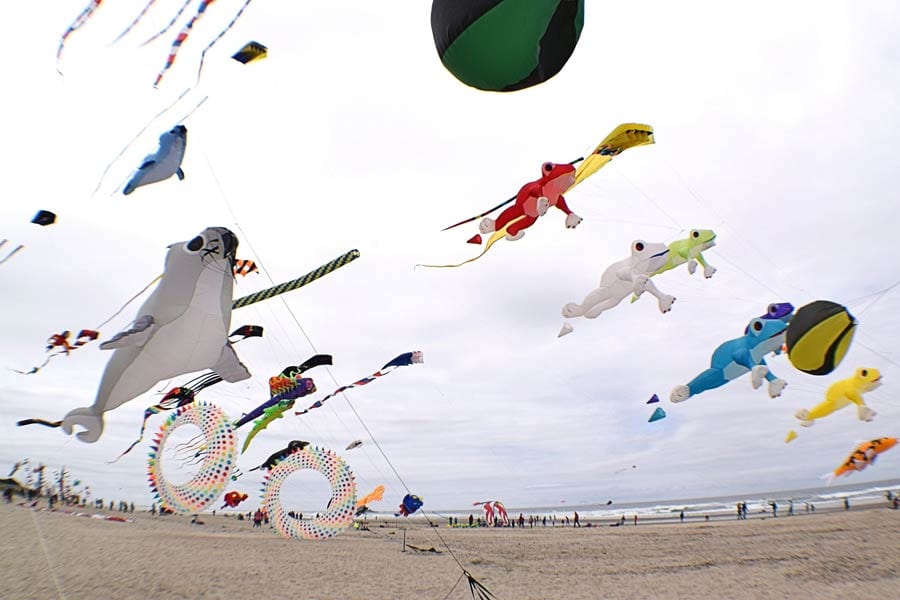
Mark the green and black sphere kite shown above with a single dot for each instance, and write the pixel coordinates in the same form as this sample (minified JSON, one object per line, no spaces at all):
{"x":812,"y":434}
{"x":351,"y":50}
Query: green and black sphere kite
{"x":505,"y":45}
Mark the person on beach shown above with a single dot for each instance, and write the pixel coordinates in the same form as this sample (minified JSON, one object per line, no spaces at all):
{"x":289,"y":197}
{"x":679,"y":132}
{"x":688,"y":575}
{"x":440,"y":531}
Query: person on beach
{"x":567,"y":520}
{"x":846,"y":503}
{"x":774,"y":508}
{"x":740,"y":511}
{"x":471,"y":520}
{"x":575,"y":521}
{"x":681,"y":516}
{"x":635,"y":520}
{"x":790,"y":508}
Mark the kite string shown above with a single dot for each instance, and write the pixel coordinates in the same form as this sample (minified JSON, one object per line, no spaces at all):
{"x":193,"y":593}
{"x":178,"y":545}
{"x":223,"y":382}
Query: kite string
{"x":130,"y":300}
{"x":218,"y":37}
{"x":432,"y":526}
{"x":40,"y":537}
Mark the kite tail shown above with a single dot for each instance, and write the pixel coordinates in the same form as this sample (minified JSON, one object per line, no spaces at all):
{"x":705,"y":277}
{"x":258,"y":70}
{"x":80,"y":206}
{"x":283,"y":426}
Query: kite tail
{"x":479,"y":592}
{"x":218,"y":37}
{"x":147,"y":414}
{"x":24,"y":422}
{"x":169,"y":26}
{"x":80,"y":20}
{"x":137,"y":19}
{"x":496,"y":236}
{"x":180,"y":39}
{"x":10,"y":255}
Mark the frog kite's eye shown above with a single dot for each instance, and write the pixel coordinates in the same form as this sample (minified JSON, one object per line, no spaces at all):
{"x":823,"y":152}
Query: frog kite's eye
{"x":757,"y":326}
{"x":547,"y":167}
{"x":864,"y":372}
{"x":639,"y":246}
{"x":695,"y":233}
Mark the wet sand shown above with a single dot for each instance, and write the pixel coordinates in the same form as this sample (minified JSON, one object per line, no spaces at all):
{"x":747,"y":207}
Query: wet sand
{"x":828,"y":554}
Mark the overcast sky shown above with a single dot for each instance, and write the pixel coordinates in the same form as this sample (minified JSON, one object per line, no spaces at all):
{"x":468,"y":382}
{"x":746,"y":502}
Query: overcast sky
{"x":776,"y":126}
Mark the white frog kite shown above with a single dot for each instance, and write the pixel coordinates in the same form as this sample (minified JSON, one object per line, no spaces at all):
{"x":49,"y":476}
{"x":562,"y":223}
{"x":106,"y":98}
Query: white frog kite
{"x":622,"y":279}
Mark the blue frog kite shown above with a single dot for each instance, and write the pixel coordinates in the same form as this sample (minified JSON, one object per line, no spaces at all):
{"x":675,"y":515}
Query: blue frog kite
{"x":745,"y":354}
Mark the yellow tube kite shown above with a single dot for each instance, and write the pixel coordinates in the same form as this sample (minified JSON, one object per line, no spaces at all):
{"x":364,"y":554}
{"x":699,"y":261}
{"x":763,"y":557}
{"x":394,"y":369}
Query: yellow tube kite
{"x":620,"y":139}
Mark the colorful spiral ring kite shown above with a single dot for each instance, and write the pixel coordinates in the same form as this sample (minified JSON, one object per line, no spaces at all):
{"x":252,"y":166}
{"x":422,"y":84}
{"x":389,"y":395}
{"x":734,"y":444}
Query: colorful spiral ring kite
{"x":340,"y":510}
{"x":221,"y":454}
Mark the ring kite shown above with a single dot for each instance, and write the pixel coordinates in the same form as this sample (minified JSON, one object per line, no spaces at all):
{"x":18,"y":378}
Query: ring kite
{"x":221,"y":455}
{"x":341,"y":508}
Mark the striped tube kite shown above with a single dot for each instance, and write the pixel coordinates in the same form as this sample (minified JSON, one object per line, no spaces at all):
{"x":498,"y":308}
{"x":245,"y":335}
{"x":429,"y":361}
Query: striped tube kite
{"x":79,"y":22}
{"x":408,"y":358}
{"x":862,"y":456}
{"x":181,"y":38}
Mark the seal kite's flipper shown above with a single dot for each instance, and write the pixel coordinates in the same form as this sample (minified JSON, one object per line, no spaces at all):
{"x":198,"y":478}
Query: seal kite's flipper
{"x":180,"y":174}
{"x":229,"y":367}
{"x":137,"y":335}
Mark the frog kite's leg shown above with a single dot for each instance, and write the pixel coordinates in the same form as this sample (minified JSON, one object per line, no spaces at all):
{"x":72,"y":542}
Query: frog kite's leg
{"x":705,"y":381}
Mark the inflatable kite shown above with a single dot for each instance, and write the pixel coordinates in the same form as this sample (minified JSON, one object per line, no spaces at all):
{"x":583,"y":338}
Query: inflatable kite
{"x":250,"y":52}
{"x":505,"y":45}
{"x":181,"y":328}
{"x":220,"y":457}
{"x":501,"y":512}
{"x":409,"y":505}
{"x":341,"y":508}
{"x":658,"y":414}
{"x":819,"y":336}
{"x":622,"y":279}
{"x":354,"y":444}
{"x":375,"y":495}
{"x":863,"y":456}
{"x":232,"y":499}
{"x":244,"y":267}
{"x":689,"y":251}
{"x":535,"y":198}
{"x":739,"y":356}
{"x":841,"y":393}
{"x":163,"y":163}
{"x":653,"y":399}
{"x":790,"y":437}
{"x":405,"y":359}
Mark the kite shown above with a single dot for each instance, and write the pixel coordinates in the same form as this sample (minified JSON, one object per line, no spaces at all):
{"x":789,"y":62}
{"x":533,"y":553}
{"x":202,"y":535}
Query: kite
{"x":269,"y":414}
{"x":163,"y":163}
{"x":282,"y":389}
{"x":180,"y":38}
{"x":841,"y":393}
{"x":653,"y":399}
{"x":621,"y":279}
{"x":623,"y":469}
{"x":174,"y":398}
{"x":44,"y":218}
{"x":658,"y":414}
{"x":819,"y":336}
{"x":246,"y":331}
{"x":276,"y":457}
{"x":739,"y":356}
{"x":244,"y":267}
{"x":488,"y":511}
{"x":690,"y":251}
{"x":210,"y":481}
{"x":790,"y":437}
{"x":250,"y":52}
{"x":501,"y":512}
{"x":863,"y":456}
{"x":232,"y":499}
{"x":79,"y":21}
{"x":505,"y":45}
{"x":528,"y":208}
{"x":354,"y":444}
{"x":316,"y":360}
{"x":375,"y":495}
{"x":406,"y":359}
{"x":177,"y":330}
{"x":409,"y":505}
{"x":341,"y":508}
{"x":61,"y":341}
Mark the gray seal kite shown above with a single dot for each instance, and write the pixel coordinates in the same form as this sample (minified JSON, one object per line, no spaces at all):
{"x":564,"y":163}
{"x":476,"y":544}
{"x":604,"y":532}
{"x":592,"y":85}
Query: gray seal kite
{"x":163,"y":163}
{"x":181,"y":328}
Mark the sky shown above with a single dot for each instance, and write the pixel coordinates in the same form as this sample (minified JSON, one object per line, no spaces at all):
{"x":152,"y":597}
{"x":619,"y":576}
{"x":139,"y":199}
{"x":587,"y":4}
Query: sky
{"x":775,"y":126}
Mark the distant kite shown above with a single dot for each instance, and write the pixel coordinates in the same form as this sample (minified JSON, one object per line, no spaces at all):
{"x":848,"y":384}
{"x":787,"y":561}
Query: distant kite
{"x":658,"y":414}
{"x":250,"y":52}
{"x":354,"y":444}
{"x":44,"y":218}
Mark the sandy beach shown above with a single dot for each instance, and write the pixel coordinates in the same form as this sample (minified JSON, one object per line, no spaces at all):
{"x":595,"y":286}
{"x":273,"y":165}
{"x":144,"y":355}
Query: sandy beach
{"x":834,"y":554}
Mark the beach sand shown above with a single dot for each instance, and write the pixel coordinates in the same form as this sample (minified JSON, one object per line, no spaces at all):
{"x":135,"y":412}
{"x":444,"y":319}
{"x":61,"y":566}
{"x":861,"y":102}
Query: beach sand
{"x":833,"y":554}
